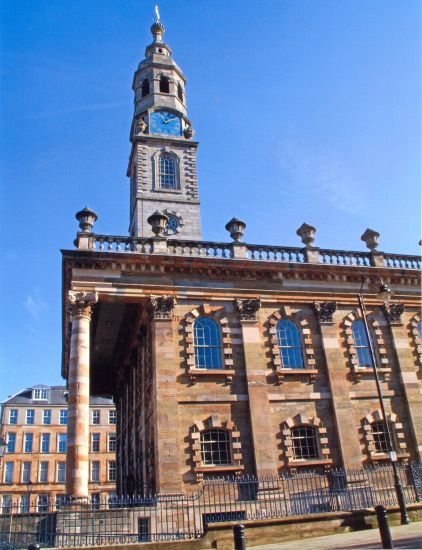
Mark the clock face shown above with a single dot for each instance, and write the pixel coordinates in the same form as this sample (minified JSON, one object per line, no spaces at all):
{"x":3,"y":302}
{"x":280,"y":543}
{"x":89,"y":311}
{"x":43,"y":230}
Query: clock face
{"x":164,"y":122}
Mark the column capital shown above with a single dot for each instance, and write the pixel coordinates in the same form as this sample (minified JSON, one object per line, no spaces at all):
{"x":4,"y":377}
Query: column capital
{"x":161,"y":307}
{"x":79,"y":303}
{"x":325,"y":312}
{"x":248,"y":308}
{"x":394,"y":313}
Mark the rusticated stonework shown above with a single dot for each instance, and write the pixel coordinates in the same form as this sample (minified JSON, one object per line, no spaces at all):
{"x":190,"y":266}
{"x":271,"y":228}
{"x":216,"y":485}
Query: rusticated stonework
{"x":396,"y":430}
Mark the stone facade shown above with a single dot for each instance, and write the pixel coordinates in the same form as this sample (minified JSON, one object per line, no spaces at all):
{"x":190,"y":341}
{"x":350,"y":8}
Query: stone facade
{"x":33,"y":470}
{"x":188,"y":338}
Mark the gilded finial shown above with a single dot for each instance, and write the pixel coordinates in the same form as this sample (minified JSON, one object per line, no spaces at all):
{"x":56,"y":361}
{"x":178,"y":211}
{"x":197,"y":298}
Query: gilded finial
{"x":157,"y":14}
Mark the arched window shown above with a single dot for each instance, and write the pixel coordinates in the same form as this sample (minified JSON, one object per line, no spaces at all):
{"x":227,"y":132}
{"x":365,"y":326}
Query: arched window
{"x":167,"y":172}
{"x":304,"y":443}
{"x":290,"y":345}
{"x":215,"y":447}
{"x":145,"y":87}
{"x":180,"y":92}
{"x":164,"y":85}
{"x":361,"y":344}
{"x":207,"y":344}
{"x":419,"y":328}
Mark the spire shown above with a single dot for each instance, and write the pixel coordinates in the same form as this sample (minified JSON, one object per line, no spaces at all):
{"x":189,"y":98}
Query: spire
{"x":157,"y":28}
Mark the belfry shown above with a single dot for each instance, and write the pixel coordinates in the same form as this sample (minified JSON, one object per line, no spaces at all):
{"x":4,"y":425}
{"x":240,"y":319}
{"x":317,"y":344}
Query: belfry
{"x":229,"y":358}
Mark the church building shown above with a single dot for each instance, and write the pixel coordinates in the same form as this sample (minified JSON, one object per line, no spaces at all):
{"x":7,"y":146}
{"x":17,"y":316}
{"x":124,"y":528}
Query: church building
{"x":228,"y":358}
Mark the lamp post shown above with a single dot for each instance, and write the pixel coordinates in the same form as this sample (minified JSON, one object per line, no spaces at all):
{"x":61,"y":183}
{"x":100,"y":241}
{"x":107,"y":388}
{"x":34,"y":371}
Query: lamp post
{"x":384,"y":293}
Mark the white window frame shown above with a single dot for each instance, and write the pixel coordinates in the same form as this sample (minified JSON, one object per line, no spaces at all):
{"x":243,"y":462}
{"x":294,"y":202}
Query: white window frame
{"x":112,"y":417}
{"x":8,"y":473}
{"x":28,"y":415}
{"x":96,"y":417}
{"x":94,"y":464}
{"x":48,"y":438}
{"x":111,"y":438}
{"x":95,"y":438}
{"x":59,"y":436}
{"x":63,"y":415}
{"x":44,"y":417}
{"x":43,"y":469}
{"x":40,"y":394}
{"x":14,"y":442}
{"x":26,"y":437}
{"x":112,"y":471}
{"x":15,"y":414}
{"x":60,"y":470}
{"x":26,"y":469}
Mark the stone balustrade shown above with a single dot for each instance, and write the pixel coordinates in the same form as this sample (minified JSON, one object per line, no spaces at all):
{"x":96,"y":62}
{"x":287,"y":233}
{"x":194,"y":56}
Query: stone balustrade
{"x":252,"y":252}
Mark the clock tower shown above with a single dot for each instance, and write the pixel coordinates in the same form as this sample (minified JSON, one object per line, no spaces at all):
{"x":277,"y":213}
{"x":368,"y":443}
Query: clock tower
{"x":162,"y":164}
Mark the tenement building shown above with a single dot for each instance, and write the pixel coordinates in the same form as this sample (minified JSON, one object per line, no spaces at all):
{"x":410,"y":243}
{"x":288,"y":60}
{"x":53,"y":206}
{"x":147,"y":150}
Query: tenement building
{"x":33,"y":467}
{"x":229,"y":358}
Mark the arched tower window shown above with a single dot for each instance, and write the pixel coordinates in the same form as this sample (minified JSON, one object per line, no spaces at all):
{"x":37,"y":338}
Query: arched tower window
{"x":167,"y":176}
{"x":145,"y":87}
{"x":180,"y":92}
{"x":215,"y":447}
{"x":304,"y":443}
{"x":361,"y":344}
{"x":289,"y":344}
{"x":164,"y":85}
{"x":207,"y":344}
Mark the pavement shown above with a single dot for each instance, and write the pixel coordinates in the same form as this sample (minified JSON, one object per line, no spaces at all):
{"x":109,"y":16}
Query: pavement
{"x":404,"y":536}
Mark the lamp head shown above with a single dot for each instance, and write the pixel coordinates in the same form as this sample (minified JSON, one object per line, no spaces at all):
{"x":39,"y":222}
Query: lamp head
{"x":384,"y":293}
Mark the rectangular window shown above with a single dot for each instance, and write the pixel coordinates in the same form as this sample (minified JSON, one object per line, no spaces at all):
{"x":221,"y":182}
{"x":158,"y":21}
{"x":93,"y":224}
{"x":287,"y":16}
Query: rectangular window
{"x":43,"y":472}
{"x":60,"y":501}
{"x":95,"y":501}
{"x":13,"y":416}
{"x":6,"y":504}
{"x":46,"y":416}
{"x":61,"y":472}
{"x":26,"y":472}
{"x":40,"y":395}
{"x":95,"y":443}
{"x":61,"y":443}
{"x":95,"y":471}
{"x":43,"y":503}
{"x":111,"y":446}
{"x":8,"y":472}
{"x":112,"y":471}
{"x":63,"y":416}
{"x":45,"y":443}
{"x":24,"y":504}
{"x":96,"y":417}
{"x":112,"y":417}
{"x":27,"y":443}
{"x":30,"y":416}
{"x":11,"y":442}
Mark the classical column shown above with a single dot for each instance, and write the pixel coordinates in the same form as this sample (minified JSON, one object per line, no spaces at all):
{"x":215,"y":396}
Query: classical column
{"x":77,"y":458}
{"x":263,"y":436}
{"x":347,"y":430}
{"x":407,"y":369}
{"x":165,"y":367}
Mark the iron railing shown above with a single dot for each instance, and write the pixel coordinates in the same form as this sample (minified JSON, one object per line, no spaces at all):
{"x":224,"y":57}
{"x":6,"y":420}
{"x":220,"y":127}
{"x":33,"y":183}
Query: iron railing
{"x":151,"y":517}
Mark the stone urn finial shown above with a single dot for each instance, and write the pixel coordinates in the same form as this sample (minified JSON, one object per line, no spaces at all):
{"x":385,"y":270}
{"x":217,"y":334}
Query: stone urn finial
{"x":158,"y":222}
{"x":236,"y":228}
{"x":86,"y":219}
{"x":370,"y":238}
{"x":306,"y":233}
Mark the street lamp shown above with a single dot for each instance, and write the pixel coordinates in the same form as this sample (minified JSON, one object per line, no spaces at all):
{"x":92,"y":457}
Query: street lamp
{"x":384,"y":293}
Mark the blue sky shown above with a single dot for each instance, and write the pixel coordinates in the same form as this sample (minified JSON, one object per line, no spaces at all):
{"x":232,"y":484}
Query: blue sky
{"x":306,"y":111}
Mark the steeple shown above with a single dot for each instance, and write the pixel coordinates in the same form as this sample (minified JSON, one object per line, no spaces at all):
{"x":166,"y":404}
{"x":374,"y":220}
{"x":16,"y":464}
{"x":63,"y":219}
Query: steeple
{"x":162,"y":164}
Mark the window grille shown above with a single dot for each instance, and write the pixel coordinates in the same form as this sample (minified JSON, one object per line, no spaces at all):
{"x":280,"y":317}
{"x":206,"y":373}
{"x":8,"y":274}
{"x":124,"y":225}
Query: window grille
{"x":6,"y":504}
{"x":26,"y":472}
{"x":96,"y":417}
{"x":40,"y":395}
{"x":380,"y":437}
{"x":43,"y":472}
{"x":61,"y":443}
{"x":112,"y":470}
{"x":207,"y":344}
{"x":167,"y":172}
{"x":45,"y":443}
{"x":95,"y":443}
{"x":290,"y":345}
{"x":61,"y":472}
{"x":8,"y":472}
{"x":27,"y":445}
{"x":63,"y":417}
{"x":13,"y":416}
{"x":215,"y":447}
{"x":11,"y":442}
{"x":46,"y":416}
{"x":112,"y":443}
{"x":30,"y":416}
{"x":304,"y":443}
{"x":361,"y":344}
{"x":112,"y":417}
{"x":95,"y":471}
